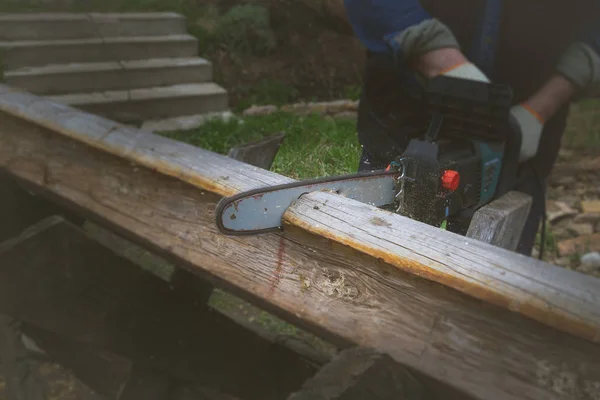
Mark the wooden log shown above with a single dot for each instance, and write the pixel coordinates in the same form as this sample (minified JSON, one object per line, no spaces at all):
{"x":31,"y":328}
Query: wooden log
{"x":260,"y":153}
{"x":488,"y":321}
{"x":502,"y":221}
{"x":80,"y":291}
{"x":363,"y":373}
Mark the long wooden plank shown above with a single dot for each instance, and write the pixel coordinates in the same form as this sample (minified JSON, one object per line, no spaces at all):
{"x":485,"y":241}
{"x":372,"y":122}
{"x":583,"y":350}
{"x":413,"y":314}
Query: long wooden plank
{"x":358,"y":282}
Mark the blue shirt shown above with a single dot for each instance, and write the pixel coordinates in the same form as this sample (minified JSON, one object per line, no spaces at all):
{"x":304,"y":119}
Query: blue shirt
{"x":374,"y":21}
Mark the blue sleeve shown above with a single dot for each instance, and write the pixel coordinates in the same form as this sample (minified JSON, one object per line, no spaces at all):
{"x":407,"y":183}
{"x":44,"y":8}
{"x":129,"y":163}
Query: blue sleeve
{"x":591,"y":36}
{"x":374,"y":20}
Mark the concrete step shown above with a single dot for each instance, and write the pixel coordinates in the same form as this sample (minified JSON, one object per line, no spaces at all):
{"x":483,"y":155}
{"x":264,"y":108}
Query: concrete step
{"x":184,"y":123}
{"x":114,"y":75}
{"x":20,"y":54}
{"x":55,"y":26}
{"x":139,"y":105}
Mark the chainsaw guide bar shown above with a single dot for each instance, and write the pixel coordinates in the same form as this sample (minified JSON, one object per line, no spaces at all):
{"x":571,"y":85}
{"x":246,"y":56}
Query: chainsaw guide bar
{"x":261,"y":210}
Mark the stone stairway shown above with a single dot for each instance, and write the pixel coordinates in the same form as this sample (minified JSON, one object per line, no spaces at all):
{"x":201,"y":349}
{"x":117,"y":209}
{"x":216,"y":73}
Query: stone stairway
{"x":141,"y":69}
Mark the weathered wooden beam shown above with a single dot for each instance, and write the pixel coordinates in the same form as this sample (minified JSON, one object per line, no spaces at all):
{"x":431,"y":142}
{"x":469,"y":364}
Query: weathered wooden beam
{"x":362,"y":373}
{"x":79,"y":290}
{"x":493,"y":323}
{"x":502,"y":221}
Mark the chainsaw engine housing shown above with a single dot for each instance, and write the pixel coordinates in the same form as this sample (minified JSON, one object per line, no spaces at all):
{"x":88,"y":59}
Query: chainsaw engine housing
{"x":467,"y":156}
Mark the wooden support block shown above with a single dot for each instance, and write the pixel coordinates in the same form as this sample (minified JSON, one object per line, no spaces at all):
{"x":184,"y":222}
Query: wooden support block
{"x":78,"y":289}
{"x":260,"y":153}
{"x":363,"y":373}
{"x":23,"y":381}
{"x":502,"y":221}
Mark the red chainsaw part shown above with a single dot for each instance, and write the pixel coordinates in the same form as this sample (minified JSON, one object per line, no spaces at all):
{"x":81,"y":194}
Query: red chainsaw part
{"x":450,"y":180}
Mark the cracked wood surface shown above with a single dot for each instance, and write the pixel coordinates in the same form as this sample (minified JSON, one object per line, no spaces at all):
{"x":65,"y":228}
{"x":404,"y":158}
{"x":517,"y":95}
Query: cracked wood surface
{"x":375,"y":279}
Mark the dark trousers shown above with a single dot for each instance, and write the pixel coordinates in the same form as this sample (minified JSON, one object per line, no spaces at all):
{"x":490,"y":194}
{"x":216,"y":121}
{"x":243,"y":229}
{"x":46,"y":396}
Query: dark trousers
{"x":532,"y":176}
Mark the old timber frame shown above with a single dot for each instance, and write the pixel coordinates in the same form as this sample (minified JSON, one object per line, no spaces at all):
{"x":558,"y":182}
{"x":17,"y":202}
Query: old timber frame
{"x":482,"y":319}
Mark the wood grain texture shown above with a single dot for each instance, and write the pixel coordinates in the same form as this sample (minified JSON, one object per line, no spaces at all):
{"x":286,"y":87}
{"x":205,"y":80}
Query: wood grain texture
{"x":521,"y":284}
{"x":502,"y":221}
{"x":359,"y":285}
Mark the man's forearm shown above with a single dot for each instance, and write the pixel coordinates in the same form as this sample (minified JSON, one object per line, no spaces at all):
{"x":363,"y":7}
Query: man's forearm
{"x":555,"y":93}
{"x":436,"y":62}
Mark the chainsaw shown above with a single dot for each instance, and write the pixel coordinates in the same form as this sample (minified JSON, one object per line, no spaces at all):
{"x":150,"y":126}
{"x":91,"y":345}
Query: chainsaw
{"x":466,"y":156}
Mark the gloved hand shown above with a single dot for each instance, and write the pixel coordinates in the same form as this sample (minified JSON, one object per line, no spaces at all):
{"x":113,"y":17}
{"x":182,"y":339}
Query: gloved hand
{"x":580,"y":64}
{"x":530,"y":124}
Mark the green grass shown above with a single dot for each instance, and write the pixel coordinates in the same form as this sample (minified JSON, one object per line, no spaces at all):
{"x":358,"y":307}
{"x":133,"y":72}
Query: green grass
{"x":314,"y":146}
{"x":550,"y":245}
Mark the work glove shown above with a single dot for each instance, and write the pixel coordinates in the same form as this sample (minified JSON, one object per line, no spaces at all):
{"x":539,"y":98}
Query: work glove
{"x":580,"y":64}
{"x":422,"y":38}
{"x":530,"y":124}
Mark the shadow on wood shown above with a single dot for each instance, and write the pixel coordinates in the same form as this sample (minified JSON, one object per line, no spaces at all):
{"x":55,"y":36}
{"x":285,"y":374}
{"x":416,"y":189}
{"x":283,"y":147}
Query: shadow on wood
{"x":19,"y":209}
{"x":78,"y":289}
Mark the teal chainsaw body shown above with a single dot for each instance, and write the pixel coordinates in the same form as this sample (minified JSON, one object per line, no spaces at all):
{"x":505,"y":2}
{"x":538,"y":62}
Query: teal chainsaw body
{"x":466,"y":156}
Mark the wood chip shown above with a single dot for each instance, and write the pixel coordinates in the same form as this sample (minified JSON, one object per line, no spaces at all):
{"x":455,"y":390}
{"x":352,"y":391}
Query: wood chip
{"x":579,"y":245}
{"x":590,"y":218}
{"x":558,"y":210}
{"x":591,"y":206}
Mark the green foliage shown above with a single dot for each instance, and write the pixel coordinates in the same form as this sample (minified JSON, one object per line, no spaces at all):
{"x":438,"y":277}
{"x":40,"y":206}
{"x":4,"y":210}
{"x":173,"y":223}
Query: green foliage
{"x":268,"y":91}
{"x":583,"y":129}
{"x":352,"y":92}
{"x":550,"y":246}
{"x":245,"y":29}
{"x":314,"y":146}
